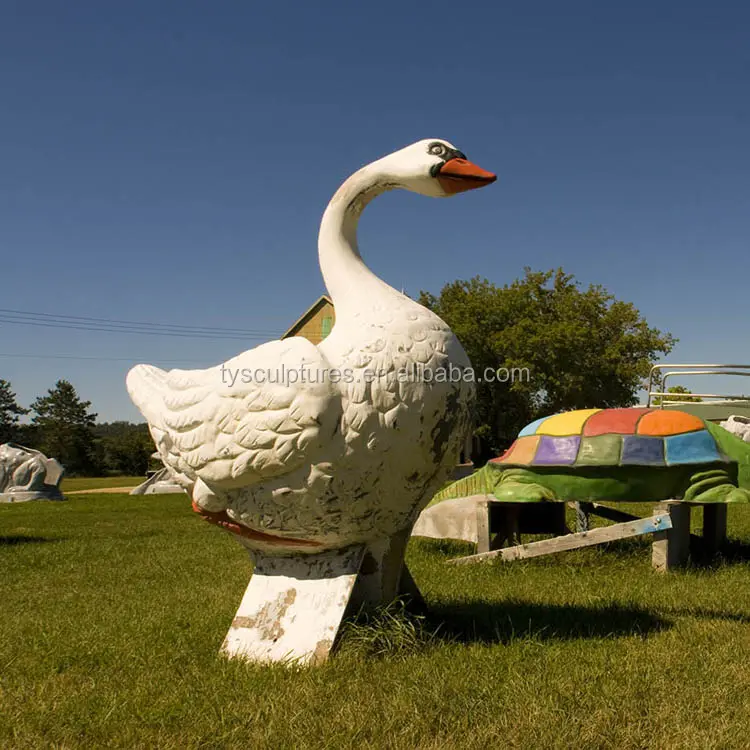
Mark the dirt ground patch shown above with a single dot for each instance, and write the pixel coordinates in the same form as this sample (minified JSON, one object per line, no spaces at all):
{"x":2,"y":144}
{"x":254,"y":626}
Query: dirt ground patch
{"x":98,"y":490}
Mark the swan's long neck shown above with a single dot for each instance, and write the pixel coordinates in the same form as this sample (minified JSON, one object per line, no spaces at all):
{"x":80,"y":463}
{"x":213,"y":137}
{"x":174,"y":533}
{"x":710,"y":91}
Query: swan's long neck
{"x":348,"y":280}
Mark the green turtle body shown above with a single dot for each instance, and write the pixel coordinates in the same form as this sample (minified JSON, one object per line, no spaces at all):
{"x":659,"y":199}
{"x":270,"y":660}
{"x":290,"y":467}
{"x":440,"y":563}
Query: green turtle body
{"x":630,"y":455}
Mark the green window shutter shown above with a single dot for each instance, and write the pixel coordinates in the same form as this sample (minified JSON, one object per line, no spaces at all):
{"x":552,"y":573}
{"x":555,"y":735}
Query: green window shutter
{"x":326,"y":325}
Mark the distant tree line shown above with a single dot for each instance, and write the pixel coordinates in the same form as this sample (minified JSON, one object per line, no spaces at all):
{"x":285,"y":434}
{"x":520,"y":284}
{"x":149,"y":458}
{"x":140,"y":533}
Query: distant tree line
{"x":62,"y":426}
{"x":681,"y":395}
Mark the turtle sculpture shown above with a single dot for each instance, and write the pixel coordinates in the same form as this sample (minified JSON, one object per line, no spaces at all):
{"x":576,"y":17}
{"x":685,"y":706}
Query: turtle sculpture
{"x":635,"y":454}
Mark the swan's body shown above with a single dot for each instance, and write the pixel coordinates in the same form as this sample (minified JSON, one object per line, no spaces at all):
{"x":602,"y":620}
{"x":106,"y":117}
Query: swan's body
{"x":354,"y":453}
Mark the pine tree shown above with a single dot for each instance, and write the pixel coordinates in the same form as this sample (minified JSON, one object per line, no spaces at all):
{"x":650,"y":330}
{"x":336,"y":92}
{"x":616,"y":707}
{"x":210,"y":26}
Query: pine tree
{"x":10,"y":411}
{"x":66,"y":428}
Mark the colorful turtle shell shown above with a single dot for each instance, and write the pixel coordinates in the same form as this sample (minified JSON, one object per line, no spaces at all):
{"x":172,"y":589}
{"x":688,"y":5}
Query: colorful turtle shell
{"x":614,"y":437}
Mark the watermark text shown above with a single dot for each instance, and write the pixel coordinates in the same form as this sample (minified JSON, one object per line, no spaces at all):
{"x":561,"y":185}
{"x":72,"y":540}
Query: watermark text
{"x":415,"y":373}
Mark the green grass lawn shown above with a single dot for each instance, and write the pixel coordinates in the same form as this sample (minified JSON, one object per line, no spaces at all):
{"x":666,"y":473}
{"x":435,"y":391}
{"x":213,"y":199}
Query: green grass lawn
{"x":114,"y":608}
{"x":96,"y":483}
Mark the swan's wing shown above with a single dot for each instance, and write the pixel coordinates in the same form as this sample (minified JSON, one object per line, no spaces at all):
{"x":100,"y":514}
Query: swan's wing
{"x":260,"y":415}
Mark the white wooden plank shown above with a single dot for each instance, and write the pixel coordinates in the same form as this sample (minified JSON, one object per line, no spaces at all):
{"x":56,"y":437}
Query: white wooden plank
{"x":672,"y":549}
{"x":293,"y":607}
{"x":484,"y":536}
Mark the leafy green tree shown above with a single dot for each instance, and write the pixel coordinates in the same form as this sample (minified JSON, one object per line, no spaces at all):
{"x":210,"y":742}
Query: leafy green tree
{"x":64,"y":429}
{"x":10,"y":411}
{"x":558,"y":346}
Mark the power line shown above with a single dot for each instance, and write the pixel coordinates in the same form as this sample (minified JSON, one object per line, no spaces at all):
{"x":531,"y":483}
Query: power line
{"x":144,"y":332}
{"x":76,"y":322}
{"x":103,"y":359}
{"x":60,"y":316}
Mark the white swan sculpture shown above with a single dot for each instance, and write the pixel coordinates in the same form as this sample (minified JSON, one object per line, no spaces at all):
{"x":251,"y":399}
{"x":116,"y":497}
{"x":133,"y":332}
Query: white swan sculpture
{"x":319,"y":458}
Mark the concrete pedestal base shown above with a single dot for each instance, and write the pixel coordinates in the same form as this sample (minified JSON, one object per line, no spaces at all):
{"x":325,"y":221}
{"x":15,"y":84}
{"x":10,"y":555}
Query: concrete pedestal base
{"x":294,"y":606}
{"x":24,"y":496}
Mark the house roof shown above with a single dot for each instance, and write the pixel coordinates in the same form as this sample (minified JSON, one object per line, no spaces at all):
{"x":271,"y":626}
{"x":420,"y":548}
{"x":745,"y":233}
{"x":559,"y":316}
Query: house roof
{"x":320,"y":302}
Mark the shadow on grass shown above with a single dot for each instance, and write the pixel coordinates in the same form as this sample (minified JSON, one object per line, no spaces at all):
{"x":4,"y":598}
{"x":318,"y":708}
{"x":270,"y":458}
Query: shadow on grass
{"x":732,"y":550}
{"x":502,"y":622}
{"x":394,"y":632}
{"x":12,"y":541}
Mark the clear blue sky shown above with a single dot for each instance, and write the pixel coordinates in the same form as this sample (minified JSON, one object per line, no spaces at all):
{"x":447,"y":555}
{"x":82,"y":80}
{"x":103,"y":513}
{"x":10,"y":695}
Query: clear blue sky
{"x":169,"y":162}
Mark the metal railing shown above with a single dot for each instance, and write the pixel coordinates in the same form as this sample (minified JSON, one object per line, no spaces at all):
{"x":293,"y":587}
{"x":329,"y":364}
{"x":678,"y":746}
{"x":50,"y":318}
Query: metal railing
{"x":663,"y":372}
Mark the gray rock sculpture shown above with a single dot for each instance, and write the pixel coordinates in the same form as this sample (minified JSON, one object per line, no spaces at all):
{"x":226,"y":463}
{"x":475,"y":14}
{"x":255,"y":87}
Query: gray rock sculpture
{"x":27,"y":474}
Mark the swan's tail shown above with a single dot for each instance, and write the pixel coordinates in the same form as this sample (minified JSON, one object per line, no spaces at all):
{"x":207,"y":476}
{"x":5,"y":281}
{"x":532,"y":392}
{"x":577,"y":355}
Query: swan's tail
{"x":151,"y":390}
{"x":147,"y":387}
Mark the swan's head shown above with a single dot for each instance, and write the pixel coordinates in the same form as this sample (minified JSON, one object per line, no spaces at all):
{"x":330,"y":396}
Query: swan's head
{"x":434,"y":167}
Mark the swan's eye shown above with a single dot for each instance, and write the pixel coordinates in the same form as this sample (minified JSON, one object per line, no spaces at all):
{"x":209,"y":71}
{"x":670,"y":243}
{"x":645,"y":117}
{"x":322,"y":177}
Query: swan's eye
{"x":437,"y":149}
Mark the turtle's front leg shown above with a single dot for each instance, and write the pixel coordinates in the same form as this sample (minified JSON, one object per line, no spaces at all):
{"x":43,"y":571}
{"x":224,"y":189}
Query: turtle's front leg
{"x":714,"y":486}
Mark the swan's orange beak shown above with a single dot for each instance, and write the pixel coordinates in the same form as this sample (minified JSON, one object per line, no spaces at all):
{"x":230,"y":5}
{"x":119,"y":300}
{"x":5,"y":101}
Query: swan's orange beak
{"x":457,"y":175}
